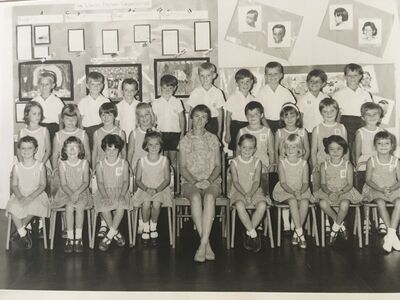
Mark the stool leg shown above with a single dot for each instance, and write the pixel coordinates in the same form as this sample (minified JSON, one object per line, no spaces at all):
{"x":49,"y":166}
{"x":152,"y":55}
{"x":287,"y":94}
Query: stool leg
{"x":227,"y":225}
{"x":308,"y":226}
{"x":367,"y":225}
{"x":355,"y":223}
{"x":128,"y":215}
{"x":170,"y":226}
{"x":315,"y":228}
{"x":322,"y":229}
{"x":271,"y":235}
{"x":44,"y":233}
{"x":375,"y":214}
{"x":89,"y":225}
{"x":358,"y":214}
{"x":279,"y":226}
{"x":94,"y":229}
{"x":233,"y":227}
{"x":8,"y":232}
{"x":135,"y":224}
{"x":53,"y":217}
{"x":173,"y":225}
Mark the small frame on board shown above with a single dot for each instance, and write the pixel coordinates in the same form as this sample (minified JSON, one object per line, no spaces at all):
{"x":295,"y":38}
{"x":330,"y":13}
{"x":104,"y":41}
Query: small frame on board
{"x":76,"y":40}
{"x":184,"y":69}
{"x":142,"y":33}
{"x":170,"y":41}
{"x":41,"y":52}
{"x":19,"y":112}
{"x":24,"y":42}
{"x":42,"y":35}
{"x":29,"y":74}
{"x":202,"y":36}
{"x":110,"y":41}
{"x":114,"y":74}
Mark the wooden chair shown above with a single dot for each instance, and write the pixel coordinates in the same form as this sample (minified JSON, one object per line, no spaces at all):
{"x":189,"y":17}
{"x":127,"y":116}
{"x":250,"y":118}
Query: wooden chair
{"x":222,"y":202}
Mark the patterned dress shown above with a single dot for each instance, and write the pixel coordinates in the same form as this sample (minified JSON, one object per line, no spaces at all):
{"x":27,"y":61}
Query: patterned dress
{"x":324,"y":131}
{"x":152,"y":177}
{"x":28,"y":182}
{"x":74,"y":174}
{"x":262,"y":136}
{"x":294,"y":179}
{"x":336,"y":179}
{"x":98,"y":136}
{"x":113,"y":180}
{"x":384,"y":175}
{"x":245,"y":172}
{"x":367,"y":145}
{"x":283,"y":133}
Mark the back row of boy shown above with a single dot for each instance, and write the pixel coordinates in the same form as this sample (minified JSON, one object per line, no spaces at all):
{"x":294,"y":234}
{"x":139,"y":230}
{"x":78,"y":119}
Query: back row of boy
{"x":167,"y":108}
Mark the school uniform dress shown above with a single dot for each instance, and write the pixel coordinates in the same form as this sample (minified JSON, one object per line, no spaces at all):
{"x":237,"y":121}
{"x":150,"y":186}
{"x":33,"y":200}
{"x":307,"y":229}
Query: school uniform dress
{"x":113,"y":179}
{"x":236,"y":105}
{"x":40,"y":135}
{"x":336,"y":179}
{"x":245,"y":172}
{"x":367,"y":145}
{"x":308,"y":105}
{"x":283,"y":133}
{"x":213,"y":99}
{"x":74,"y":174}
{"x":272,"y":102}
{"x":167,"y":112}
{"x":384,"y":175}
{"x":98,"y":137}
{"x":127,"y":115}
{"x":323,"y":131}
{"x":294,"y":179}
{"x":262,"y":136}
{"x":152,"y":177}
{"x":28,"y":182}
{"x":138,"y":135}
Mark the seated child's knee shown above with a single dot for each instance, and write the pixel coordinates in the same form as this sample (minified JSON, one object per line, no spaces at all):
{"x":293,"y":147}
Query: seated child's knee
{"x":261,"y":206}
{"x":239,"y":205}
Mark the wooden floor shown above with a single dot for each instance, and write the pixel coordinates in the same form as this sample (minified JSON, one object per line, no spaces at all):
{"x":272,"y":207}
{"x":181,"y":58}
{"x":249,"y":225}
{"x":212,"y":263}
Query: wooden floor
{"x":343,"y":268}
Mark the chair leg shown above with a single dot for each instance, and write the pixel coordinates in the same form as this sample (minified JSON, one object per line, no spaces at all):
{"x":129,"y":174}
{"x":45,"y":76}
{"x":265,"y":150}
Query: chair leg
{"x":222,"y":220}
{"x":179,"y":219}
{"x":271,"y":235}
{"x":44,"y":233}
{"x":169,"y":226}
{"x":367,"y":225}
{"x":315,"y":227}
{"x":358,"y":214}
{"x":53,"y":217}
{"x":233,"y":227}
{"x":94,"y":229}
{"x":375,"y":214}
{"x":128,"y":215}
{"x":8,"y":232}
{"x":173,"y":226}
{"x":322,"y":229}
{"x":355,"y":223}
{"x":227,"y":225}
{"x":279,"y":226}
{"x":89,"y":225}
{"x":308,"y":225}
{"x":135,"y":224}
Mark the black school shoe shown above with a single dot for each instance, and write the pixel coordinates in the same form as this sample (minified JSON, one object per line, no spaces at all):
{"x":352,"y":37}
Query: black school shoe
{"x":154,"y":238}
{"x":27,"y":240}
{"x":248,"y":242}
{"x":69,"y":246}
{"x":256,"y":243}
{"x":78,"y":246}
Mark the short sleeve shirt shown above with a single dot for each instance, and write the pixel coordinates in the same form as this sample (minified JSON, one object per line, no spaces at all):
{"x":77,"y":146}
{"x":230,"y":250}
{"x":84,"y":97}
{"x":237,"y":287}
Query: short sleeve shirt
{"x":127,"y":115}
{"x":167,"y":113}
{"x":236,"y":104}
{"x":350,"y":101}
{"x":52,"y":107}
{"x":308,"y":104}
{"x":89,"y":109}
{"x":213,"y":99}
{"x":273,"y":101}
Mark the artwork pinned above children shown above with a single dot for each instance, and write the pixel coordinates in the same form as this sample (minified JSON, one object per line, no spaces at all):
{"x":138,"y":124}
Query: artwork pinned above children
{"x":264,"y":28}
{"x":110,"y":41}
{"x":114,"y":75}
{"x":202,"y":36}
{"x":42,"y":35}
{"x":357,"y":25}
{"x":76,"y":40}
{"x":30,"y":72}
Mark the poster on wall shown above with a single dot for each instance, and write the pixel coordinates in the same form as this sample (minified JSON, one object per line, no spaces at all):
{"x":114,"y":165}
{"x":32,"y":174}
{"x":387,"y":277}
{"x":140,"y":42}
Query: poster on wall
{"x":24,"y":42}
{"x":264,"y":28}
{"x":29,"y":74}
{"x":114,"y":74}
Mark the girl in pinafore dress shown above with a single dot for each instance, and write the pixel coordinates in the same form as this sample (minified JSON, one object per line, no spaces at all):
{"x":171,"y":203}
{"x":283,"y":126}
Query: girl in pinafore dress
{"x":383,"y":185}
{"x":108,"y":112}
{"x":290,"y":122}
{"x":28,"y":184}
{"x":293,"y":186}
{"x":112,"y":175}
{"x":73,"y":193}
{"x":337,"y":185}
{"x":152,"y":178}
{"x":246,"y":190}
{"x":329,"y":109}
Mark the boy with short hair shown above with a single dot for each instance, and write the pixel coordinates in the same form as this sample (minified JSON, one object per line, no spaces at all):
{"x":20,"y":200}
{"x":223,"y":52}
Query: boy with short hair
{"x":210,"y":96}
{"x":273,"y":95}
{"x":127,"y":107}
{"x":278,"y":33}
{"x":89,"y":106}
{"x":51,"y":104}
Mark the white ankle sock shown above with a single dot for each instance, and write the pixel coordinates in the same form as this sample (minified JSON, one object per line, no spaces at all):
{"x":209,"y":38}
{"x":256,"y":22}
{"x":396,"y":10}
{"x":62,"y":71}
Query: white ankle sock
{"x":40,"y":223}
{"x":153,"y":226}
{"x":78,"y":233}
{"x":252,"y":233}
{"x":70,"y":234}
{"x":111,"y":233}
{"x":391,"y":231}
{"x":146,"y":226}
{"x":299,"y":231}
{"x":22,"y":232}
{"x":335,"y":226}
{"x":103,"y":223}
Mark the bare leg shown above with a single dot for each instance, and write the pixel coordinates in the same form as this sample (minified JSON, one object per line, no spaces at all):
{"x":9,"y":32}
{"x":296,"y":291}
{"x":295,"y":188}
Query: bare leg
{"x":325,"y":206}
{"x":146,"y":211}
{"x":108,"y":218}
{"x":208,"y":217}
{"x":294,"y":211}
{"x":69,"y":214}
{"x":119,"y":213}
{"x":243,"y":215}
{"x":197,"y":212}
{"x":395,"y":214}
{"x":303,"y":210}
{"x":258,"y":214}
{"x":343,"y":210}
{"x":383,"y":212}
{"x":79,"y":217}
{"x":155,"y":211}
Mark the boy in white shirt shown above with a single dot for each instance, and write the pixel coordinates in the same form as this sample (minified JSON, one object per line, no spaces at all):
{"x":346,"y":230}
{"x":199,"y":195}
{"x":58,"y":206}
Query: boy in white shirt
{"x":273,"y":95}
{"x":210,"y":96}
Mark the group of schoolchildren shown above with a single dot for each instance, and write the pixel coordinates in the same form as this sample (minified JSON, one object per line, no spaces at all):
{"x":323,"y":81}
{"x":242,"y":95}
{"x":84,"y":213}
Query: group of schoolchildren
{"x":65,"y":142}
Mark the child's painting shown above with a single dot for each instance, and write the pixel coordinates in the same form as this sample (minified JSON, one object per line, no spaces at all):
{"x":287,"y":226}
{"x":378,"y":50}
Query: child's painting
{"x":341,"y":17}
{"x":279,"y":34}
{"x":184,"y":69}
{"x":249,"y":18}
{"x":113,"y":77}
{"x":370,"y":32}
{"x":29,"y":74}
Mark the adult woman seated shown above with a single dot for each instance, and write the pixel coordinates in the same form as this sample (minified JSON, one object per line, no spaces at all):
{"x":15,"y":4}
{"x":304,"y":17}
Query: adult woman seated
{"x":200,"y":166}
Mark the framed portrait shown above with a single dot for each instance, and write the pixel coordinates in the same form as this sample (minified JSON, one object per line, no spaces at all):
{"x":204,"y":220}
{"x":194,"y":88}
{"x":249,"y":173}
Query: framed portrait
{"x":29,"y":74}
{"x":279,"y":34}
{"x":114,"y":74}
{"x":202,"y":36}
{"x":110,"y":41}
{"x":141,"y":33}
{"x":370,"y":32}
{"x":170,"y":41}
{"x":341,"y":17}
{"x":184,"y":69}
{"x":76,"y":40}
{"x":249,"y":18}
{"x":42,"y":35}
{"x":19,"y":112}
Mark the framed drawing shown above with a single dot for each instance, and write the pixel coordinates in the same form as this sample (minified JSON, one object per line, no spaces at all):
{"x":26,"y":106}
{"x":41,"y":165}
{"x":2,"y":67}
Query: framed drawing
{"x":202,"y":36}
{"x":42,"y":35}
{"x":142,"y":33}
{"x":114,"y":74}
{"x":24,"y":42}
{"x":170,"y":41}
{"x":110,"y":41}
{"x":41,"y":52}
{"x":76,"y":40}
{"x":19,"y":112}
{"x":184,"y":69}
{"x":29,"y":74}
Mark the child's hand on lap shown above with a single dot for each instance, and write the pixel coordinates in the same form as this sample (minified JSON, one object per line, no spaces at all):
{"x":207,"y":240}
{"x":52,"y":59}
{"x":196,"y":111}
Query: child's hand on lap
{"x":333,"y":197}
